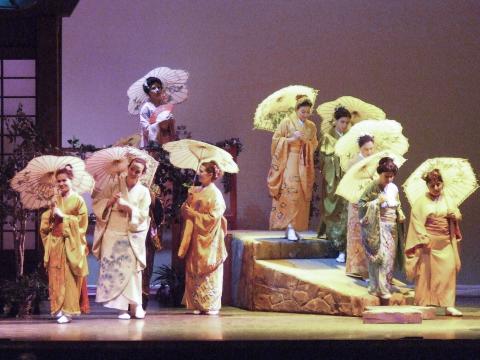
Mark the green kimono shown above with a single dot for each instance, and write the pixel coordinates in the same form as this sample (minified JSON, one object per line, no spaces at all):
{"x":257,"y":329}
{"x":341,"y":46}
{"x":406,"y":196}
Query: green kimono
{"x":335,"y":208}
{"x":382,"y":237}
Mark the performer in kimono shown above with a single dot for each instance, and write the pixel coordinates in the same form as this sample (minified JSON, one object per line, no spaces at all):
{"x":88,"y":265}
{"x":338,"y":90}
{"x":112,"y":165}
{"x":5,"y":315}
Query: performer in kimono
{"x":432,"y":254}
{"x":356,"y":262}
{"x":333,"y":223}
{"x":62,"y":230}
{"x":203,"y":243}
{"x":291,"y":176}
{"x":381,"y":218}
{"x":157,"y":122}
{"x":122,"y":211}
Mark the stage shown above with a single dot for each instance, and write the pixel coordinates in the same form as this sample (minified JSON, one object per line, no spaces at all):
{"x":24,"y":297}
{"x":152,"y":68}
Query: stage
{"x":313,"y":310}
{"x":236,"y":333}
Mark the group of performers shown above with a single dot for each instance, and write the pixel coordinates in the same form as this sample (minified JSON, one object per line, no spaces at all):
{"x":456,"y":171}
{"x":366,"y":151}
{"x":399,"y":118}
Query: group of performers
{"x":368,"y":234}
{"x":122,"y":225}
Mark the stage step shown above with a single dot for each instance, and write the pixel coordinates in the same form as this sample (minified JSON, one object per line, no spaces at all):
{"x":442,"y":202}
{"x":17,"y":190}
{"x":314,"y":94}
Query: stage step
{"x":269,"y":273}
{"x":398,"y":314}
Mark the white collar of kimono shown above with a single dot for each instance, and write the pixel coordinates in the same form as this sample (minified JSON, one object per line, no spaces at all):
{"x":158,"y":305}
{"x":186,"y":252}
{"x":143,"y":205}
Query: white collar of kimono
{"x":300,"y":122}
{"x":339,"y":133}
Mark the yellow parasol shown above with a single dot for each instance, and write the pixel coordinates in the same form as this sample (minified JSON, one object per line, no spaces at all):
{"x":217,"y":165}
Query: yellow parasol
{"x":36,"y":183}
{"x":359,"y":109}
{"x":387,"y":136}
{"x":189,"y":154}
{"x":107,"y":164}
{"x":279,"y":105}
{"x":360,"y":175}
{"x":459,"y":179}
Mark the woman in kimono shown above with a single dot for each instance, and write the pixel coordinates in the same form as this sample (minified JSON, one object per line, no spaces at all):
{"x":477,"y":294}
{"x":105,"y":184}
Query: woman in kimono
{"x":122,"y":211}
{"x":156,"y":117}
{"x":203,"y":243}
{"x":292,"y":173}
{"x":62,"y":230}
{"x":381,"y":218}
{"x":334,"y":215}
{"x":432,"y":254}
{"x":356,"y":262}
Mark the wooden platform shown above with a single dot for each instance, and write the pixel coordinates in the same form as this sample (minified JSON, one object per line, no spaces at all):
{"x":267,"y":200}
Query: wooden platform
{"x":270,"y":273}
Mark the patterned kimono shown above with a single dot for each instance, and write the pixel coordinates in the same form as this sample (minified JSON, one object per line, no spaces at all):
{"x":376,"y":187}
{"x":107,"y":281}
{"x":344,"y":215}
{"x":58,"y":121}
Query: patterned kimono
{"x":156,"y":124}
{"x":334,"y":214}
{"x":204,"y":248}
{"x":434,"y":270}
{"x":382,"y":237}
{"x":119,"y":244}
{"x":291,"y":176}
{"x":65,"y":253}
{"x":356,"y":262}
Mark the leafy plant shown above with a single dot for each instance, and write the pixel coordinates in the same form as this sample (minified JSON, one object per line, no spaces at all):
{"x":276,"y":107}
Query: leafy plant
{"x":235,"y":147}
{"x":28,"y":142}
{"x":172,"y":285}
{"x":22,"y":296}
{"x":79,"y":149}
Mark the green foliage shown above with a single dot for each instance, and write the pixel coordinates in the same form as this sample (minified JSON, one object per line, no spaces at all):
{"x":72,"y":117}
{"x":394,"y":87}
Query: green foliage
{"x":233,"y":146}
{"x":172,"y":285}
{"x":21,"y":297}
{"x":27,"y":142}
{"x":79,"y":149}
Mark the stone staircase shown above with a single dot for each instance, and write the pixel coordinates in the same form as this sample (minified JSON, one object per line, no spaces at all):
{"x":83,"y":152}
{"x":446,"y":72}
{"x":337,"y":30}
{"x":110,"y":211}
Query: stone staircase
{"x":269,"y":273}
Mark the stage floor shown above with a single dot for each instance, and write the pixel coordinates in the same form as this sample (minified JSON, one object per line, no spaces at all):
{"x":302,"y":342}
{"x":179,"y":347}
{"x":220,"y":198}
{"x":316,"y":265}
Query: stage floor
{"x":165,"y":324}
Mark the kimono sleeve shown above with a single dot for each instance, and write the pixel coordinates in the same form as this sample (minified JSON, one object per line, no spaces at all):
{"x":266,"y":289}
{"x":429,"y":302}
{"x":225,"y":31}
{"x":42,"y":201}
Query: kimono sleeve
{"x":205,"y":222}
{"x":140,"y":212}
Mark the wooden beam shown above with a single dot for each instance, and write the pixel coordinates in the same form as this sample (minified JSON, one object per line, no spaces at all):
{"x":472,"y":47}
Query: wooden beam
{"x":49,"y":78}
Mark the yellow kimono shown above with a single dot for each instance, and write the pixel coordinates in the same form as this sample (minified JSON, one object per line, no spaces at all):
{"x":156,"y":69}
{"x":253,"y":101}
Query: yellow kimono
{"x":292,"y":173}
{"x":203,"y":246}
{"x":65,"y":253}
{"x":434,"y":270}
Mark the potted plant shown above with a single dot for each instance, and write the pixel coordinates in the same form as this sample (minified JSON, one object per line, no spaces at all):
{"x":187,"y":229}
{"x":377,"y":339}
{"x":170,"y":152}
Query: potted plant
{"x":172,"y":285}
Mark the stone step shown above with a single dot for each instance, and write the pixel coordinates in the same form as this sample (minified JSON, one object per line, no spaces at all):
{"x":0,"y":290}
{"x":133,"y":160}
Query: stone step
{"x":428,"y":312}
{"x":269,"y":273}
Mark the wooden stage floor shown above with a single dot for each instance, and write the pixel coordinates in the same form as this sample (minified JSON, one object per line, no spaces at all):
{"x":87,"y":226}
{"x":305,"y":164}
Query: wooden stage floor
{"x":235,"y":333}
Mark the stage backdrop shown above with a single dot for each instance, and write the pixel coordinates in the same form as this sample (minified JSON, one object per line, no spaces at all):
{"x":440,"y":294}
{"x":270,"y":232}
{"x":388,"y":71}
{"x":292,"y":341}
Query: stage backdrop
{"x":416,"y":60}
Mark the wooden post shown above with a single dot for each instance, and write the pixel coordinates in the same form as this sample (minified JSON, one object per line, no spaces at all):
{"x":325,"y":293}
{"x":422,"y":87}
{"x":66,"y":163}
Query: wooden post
{"x":49,"y":78}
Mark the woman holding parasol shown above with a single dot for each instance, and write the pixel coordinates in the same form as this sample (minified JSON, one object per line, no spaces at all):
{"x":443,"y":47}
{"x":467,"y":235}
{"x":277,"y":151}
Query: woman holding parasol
{"x":122,"y":211}
{"x":291,"y":176}
{"x":202,"y":243}
{"x":153,"y":97}
{"x":63,"y":230}
{"x":432,"y":253}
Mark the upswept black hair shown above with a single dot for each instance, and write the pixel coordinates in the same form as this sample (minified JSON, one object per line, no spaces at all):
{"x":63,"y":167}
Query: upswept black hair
{"x":149,"y":82}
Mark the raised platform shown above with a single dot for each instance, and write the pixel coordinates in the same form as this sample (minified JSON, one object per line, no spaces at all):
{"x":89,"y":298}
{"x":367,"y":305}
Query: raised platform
{"x":270,"y":273}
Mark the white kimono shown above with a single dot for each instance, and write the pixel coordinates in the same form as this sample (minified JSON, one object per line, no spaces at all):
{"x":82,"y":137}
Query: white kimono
{"x":149,"y":132}
{"x":119,"y":244}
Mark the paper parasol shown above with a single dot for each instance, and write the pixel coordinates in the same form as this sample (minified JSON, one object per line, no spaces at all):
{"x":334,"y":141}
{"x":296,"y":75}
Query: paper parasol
{"x":36,"y":183}
{"x":459,"y":180}
{"x":387,"y":136}
{"x":360,"y":175}
{"x":174,"y":85}
{"x":280,"y":105}
{"x":189,"y":154}
{"x":359,"y":109}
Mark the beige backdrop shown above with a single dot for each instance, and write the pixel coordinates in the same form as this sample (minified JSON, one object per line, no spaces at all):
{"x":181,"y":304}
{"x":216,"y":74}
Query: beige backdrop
{"x":417,"y":60}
